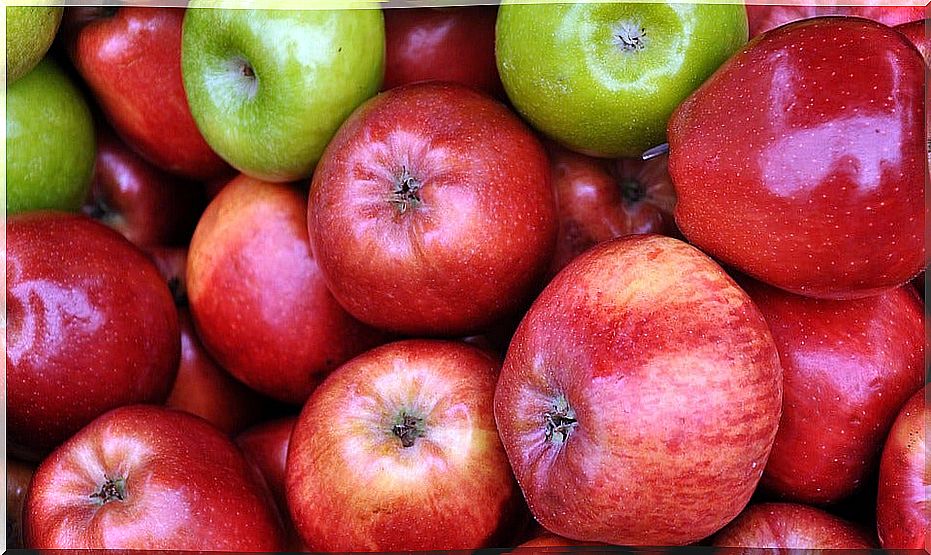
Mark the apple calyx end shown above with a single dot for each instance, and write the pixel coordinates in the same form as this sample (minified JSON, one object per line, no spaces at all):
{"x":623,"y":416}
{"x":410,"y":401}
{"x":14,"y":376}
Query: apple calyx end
{"x":405,"y":193}
{"x":408,"y":428}
{"x":560,"y":421}
{"x":629,"y":36}
{"x":632,"y":191}
{"x":113,"y":489}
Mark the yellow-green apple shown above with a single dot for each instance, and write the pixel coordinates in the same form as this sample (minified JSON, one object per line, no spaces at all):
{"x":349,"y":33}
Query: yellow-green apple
{"x":30,"y":31}
{"x":802,"y":160}
{"x":791,"y":526}
{"x":91,"y":326}
{"x":640,"y":396}
{"x":431,"y":212}
{"x":397,"y":451}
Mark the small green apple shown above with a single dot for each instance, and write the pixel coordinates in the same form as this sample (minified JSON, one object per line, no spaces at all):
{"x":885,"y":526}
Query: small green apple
{"x":50,"y":144}
{"x":29,"y":33}
{"x":269,"y":88}
{"x":603,"y":78}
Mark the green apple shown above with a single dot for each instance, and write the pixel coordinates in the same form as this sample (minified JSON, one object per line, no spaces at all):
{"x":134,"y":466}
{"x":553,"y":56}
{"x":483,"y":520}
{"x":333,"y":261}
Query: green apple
{"x":29,"y":33}
{"x":50,"y":144}
{"x":603,"y":78}
{"x":269,"y":88}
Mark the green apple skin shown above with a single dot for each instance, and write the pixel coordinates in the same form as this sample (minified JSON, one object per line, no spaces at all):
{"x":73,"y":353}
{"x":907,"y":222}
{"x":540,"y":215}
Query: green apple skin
{"x":269,"y":88}
{"x":50,"y":143}
{"x":580,"y":74}
{"x":30,"y":31}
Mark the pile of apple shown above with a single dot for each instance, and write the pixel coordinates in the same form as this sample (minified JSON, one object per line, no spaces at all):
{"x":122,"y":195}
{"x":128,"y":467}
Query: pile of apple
{"x":421,"y":279}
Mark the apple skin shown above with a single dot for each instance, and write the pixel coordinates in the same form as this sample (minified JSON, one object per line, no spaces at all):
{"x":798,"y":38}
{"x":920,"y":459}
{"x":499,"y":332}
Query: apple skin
{"x":741,"y":160}
{"x":568,"y":72}
{"x":30,"y":31}
{"x":92,"y":326}
{"x":171,"y":481}
{"x":762,"y":18}
{"x":420,"y":232}
{"x":601,"y":199}
{"x":269,"y":88}
{"x":847,"y":368}
{"x":549,"y":540}
{"x":442,"y":44}
{"x":49,"y":142}
{"x":618,"y":387}
{"x":361,"y":476}
{"x":916,"y":32}
{"x":131,"y":60}
{"x":172,"y":265}
{"x":143,"y":203}
{"x":18,"y":477}
{"x":791,"y":526}
{"x":902,"y":502}
{"x":258,"y":298}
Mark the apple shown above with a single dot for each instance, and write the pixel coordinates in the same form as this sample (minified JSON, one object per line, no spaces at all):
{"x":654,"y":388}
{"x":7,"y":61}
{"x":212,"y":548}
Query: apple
{"x":30,"y":31}
{"x":146,"y":205}
{"x":847,"y":368}
{"x":902,"y":503}
{"x":172,"y":265}
{"x":547,"y":541}
{"x":765,"y":17}
{"x":640,"y":396}
{"x":49,"y":142}
{"x":206,"y":390}
{"x":602,"y":199}
{"x":791,"y":526}
{"x":442,"y":44}
{"x":801,"y":161}
{"x":91,"y":327}
{"x":257,"y":296}
{"x":144,"y":477}
{"x":269,"y":88}
{"x":18,"y":477}
{"x":431,"y":212}
{"x":397,"y":451}
{"x":603,"y":78}
{"x":917,"y":33}
{"x":131,"y":60}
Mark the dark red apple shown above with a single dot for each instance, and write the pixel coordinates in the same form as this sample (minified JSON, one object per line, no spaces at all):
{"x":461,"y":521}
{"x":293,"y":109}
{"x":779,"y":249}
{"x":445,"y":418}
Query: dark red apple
{"x":205,"y":389}
{"x":91,"y":327}
{"x":762,"y":18}
{"x":640,"y":396}
{"x":802,"y":160}
{"x":18,"y":476}
{"x":442,"y":44}
{"x":397,"y":450}
{"x":172,"y":265}
{"x":146,"y":205}
{"x":431,"y":211}
{"x":917,"y":33}
{"x":258,"y":299}
{"x":791,"y":526}
{"x":144,"y":477}
{"x":131,"y":59}
{"x":847,"y":368}
{"x":601,"y":199}
{"x":903,"y":503}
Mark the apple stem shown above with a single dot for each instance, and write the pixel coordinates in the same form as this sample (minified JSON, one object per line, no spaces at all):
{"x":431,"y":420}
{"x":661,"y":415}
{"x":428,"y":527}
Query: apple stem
{"x":406,"y":192}
{"x":408,"y":429}
{"x":112,"y":489}
{"x":559,"y":422}
{"x":658,"y":150}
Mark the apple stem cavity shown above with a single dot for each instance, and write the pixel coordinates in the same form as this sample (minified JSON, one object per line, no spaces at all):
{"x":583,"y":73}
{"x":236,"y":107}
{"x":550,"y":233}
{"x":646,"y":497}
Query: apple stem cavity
{"x":405,"y":194}
{"x":632,"y":191}
{"x":408,"y":429}
{"x":630,"y":37}
{"x":559,"y":422}
{"x":113,"y":489}
{"x":245,"y":74}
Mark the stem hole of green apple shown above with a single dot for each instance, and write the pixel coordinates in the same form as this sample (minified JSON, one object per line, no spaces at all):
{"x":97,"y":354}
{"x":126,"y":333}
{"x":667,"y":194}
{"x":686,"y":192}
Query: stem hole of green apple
{"x":113,"y":489}
{"x":405,"y":192}
{"x":560,"y":421}
{"x":245,"y":74}
{"x":630,"y":36}
{"x":408,"y":428}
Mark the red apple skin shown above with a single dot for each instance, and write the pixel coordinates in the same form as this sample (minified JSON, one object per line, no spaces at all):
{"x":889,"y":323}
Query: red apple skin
{"x":354,"y":483}
{"x":206,"y":390}
{"x":916,"y":32}
{"x":442,"y":44}
{"x":459,"y":242}
{"x":132,"y":62}
{"x":18,"y":477}
{"x":844,"y":222}
{"x":673,"y":380}
{"x":601,"y":199}
{"x":902,"y":503}
{"x":791,"y":526}
{"x":172,"y":265}
{"x":186,"y":487}
{"x":92,"y":326}
{"x":258,"y":299}
{"x":762,"y":18}
{"x":550,"y":540}
{"x":143,"y":203}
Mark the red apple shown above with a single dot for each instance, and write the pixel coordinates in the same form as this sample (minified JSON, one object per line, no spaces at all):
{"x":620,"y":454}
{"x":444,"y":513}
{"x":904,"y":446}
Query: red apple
{"x":903,"y":503}
{"x":131,"y":59}
{"x":431,"y":212}
{"x":205,"y":389}
{"x":18,"y":476}
{"x":172,"y":265}
{"x":791,"y":526}
{"x":762,"y":18}
{"x":917,"y":33}
{"x":92,"y":326}
{"x":397,"y":451}
{"x":442,"y":44}
{"x":144,"y":477}
{"x":801,"y":161}
{"x":601,"y":199}
{"x":640,"y":396}
{"x":847,"y":368}
{"x":146,"y":205}
{"x":549,"y":540}
{"x":258,"y":299}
